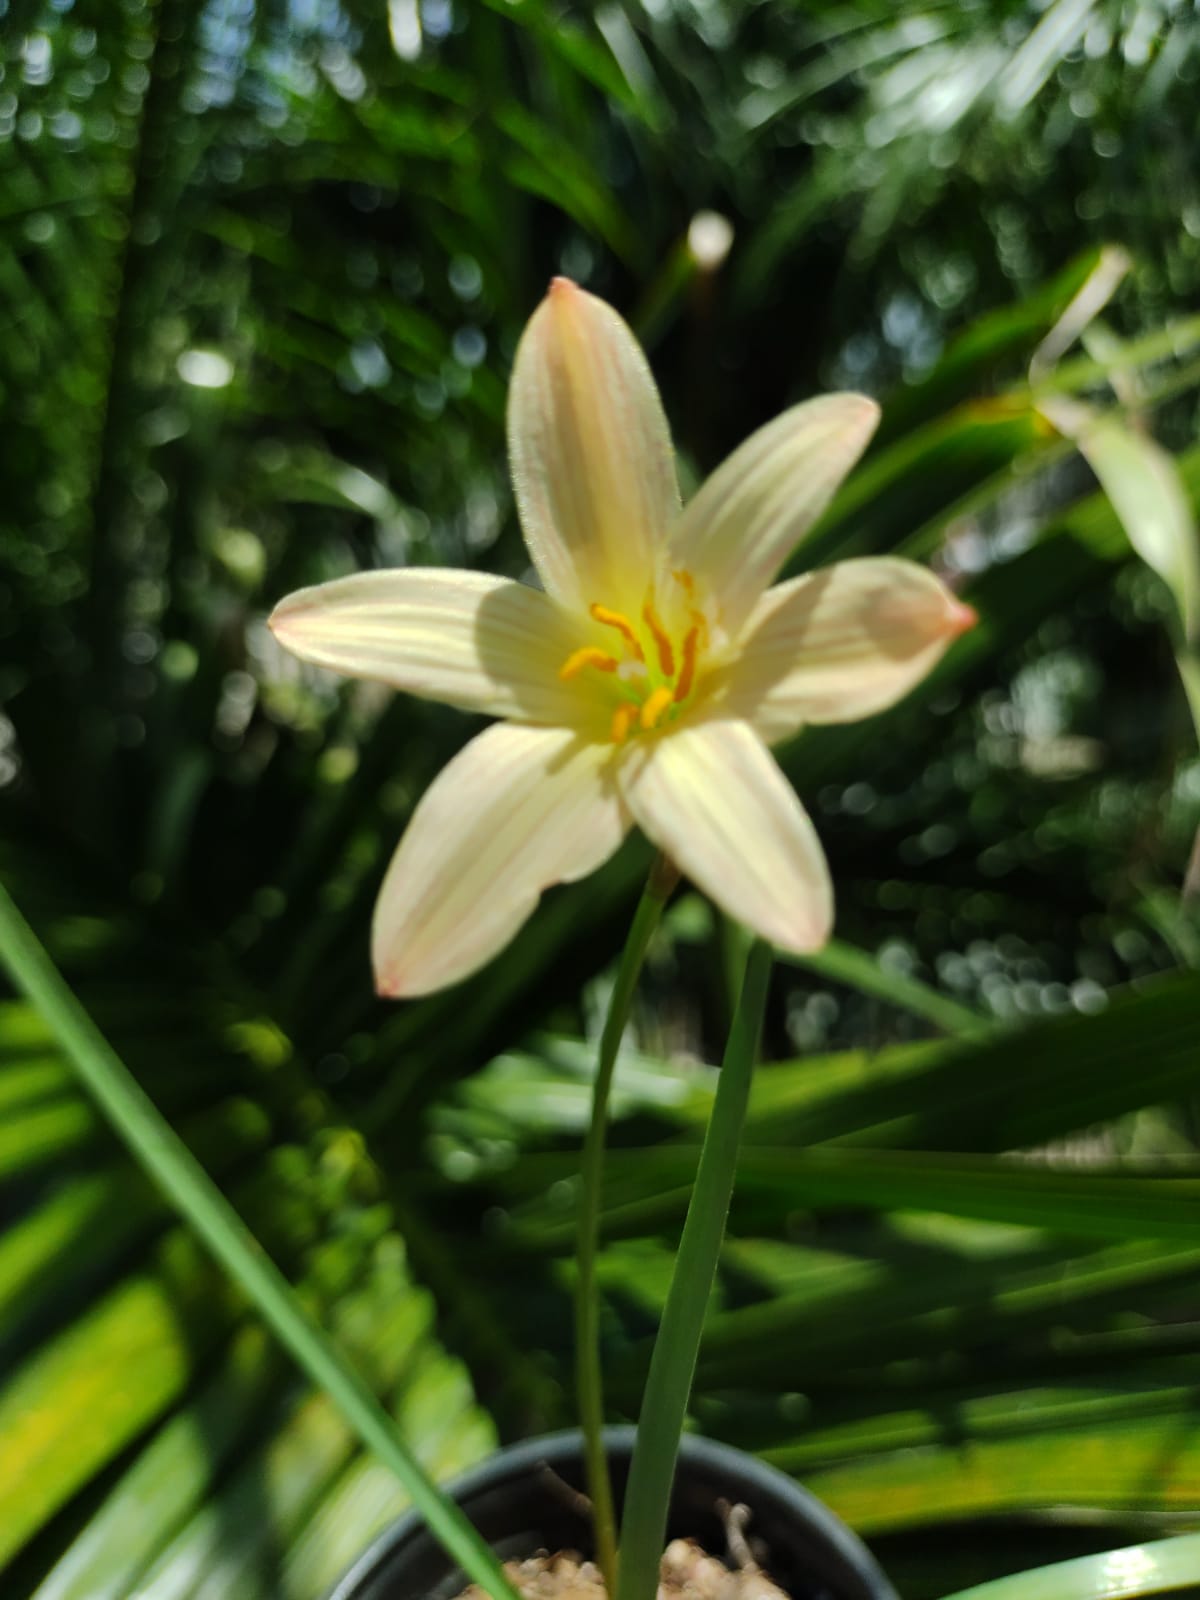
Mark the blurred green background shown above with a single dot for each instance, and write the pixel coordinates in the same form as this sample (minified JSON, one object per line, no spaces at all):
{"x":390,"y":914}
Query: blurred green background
{"x":262,"y":272}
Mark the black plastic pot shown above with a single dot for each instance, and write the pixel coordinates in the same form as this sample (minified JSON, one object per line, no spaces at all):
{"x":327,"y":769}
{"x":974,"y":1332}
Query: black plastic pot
{"x":517,"y":1501}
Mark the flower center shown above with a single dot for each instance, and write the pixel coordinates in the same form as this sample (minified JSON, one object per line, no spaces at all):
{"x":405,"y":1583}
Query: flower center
{"x":652,"y":667}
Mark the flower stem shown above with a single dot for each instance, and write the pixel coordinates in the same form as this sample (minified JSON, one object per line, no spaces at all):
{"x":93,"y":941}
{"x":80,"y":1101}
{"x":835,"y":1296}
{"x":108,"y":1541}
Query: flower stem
{"x":673,"y":1364}
{"x":1187,"y":658}
{"x":588,"y":1382}
{"x":186,"y":1184}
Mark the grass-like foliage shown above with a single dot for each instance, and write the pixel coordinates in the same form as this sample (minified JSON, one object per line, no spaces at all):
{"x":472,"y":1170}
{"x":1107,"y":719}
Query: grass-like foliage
{"x":262,"y":276}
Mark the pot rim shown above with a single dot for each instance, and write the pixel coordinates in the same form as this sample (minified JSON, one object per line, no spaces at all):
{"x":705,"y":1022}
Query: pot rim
{"x":517,"y":1460}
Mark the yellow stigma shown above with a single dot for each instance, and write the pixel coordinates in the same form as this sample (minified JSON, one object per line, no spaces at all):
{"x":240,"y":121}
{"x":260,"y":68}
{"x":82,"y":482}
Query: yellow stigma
{"x":618,"y":620}
{"x":654,"y":707}
{"x":589,"y":656}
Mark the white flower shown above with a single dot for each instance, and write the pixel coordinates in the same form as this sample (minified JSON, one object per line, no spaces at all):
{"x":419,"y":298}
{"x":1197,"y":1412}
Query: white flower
{"x":645,"y":683}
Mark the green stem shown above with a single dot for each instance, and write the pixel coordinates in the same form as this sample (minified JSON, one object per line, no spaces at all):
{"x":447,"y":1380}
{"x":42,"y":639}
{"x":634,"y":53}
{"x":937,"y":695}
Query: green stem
{"x":1187,"y":658}
{"x":1188,"y":661}
{"x":588,"y":1381}
{"x":673,"y":1364}
{"x":186,"y":1184}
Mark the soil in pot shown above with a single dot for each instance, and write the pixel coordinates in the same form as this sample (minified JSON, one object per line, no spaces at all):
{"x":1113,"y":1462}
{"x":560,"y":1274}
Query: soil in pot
{"x":687,"y":1572}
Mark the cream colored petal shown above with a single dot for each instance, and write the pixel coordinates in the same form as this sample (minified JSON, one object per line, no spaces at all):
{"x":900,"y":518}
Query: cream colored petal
{"x":592,"y":463}
{"x":471,"y":640}
{"x":711,"y":796}
{"x":746,"y":519}
{"x":518,"y":809}
{"x":838,"y":645}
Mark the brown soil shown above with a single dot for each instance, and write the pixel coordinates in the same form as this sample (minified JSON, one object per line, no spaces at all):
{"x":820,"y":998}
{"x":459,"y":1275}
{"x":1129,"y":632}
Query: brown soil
{"x":688,"y":1573}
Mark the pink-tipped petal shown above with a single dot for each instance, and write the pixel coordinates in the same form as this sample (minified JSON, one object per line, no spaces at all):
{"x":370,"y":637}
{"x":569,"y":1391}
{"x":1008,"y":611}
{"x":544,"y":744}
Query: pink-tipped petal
{"x":470,"y":640}
{"x":962,"y":618}
{"x":747,"y":518}
{"x":517,"y":810}
{"x":592,"y":463}
{"x":711,"y":796}
{"x":838,"y":645}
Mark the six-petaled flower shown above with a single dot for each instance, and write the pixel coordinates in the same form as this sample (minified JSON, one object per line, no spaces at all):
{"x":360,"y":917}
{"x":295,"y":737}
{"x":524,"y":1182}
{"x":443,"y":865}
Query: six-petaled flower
{"x":644,"y":681}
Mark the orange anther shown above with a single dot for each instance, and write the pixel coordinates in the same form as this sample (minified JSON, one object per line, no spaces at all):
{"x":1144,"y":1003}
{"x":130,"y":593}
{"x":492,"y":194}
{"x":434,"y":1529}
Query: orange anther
{"x":589,"y":656}
{"x":666,"y":655}
{"x":687,"y":673}
{"x":617,"y":619}
{"x":685,"y":580}
{"x":623,"y":718}
{"x":654,"y":707}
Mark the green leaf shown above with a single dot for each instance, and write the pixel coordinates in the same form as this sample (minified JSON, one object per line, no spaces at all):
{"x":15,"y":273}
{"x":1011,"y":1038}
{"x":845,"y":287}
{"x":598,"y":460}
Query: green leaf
{"x":1142,"y":481}
{"x":1162,"y":1567}
{"x":845,"y":964}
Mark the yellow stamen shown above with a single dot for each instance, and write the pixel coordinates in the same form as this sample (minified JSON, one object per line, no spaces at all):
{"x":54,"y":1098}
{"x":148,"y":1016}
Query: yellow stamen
{"x":687,"y":672}
{"x":623,"y":719}
{"x":666,"y":656}
{"x":654,"y":707}
{"x":616,"y":619}
{"x":589,"y":656}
